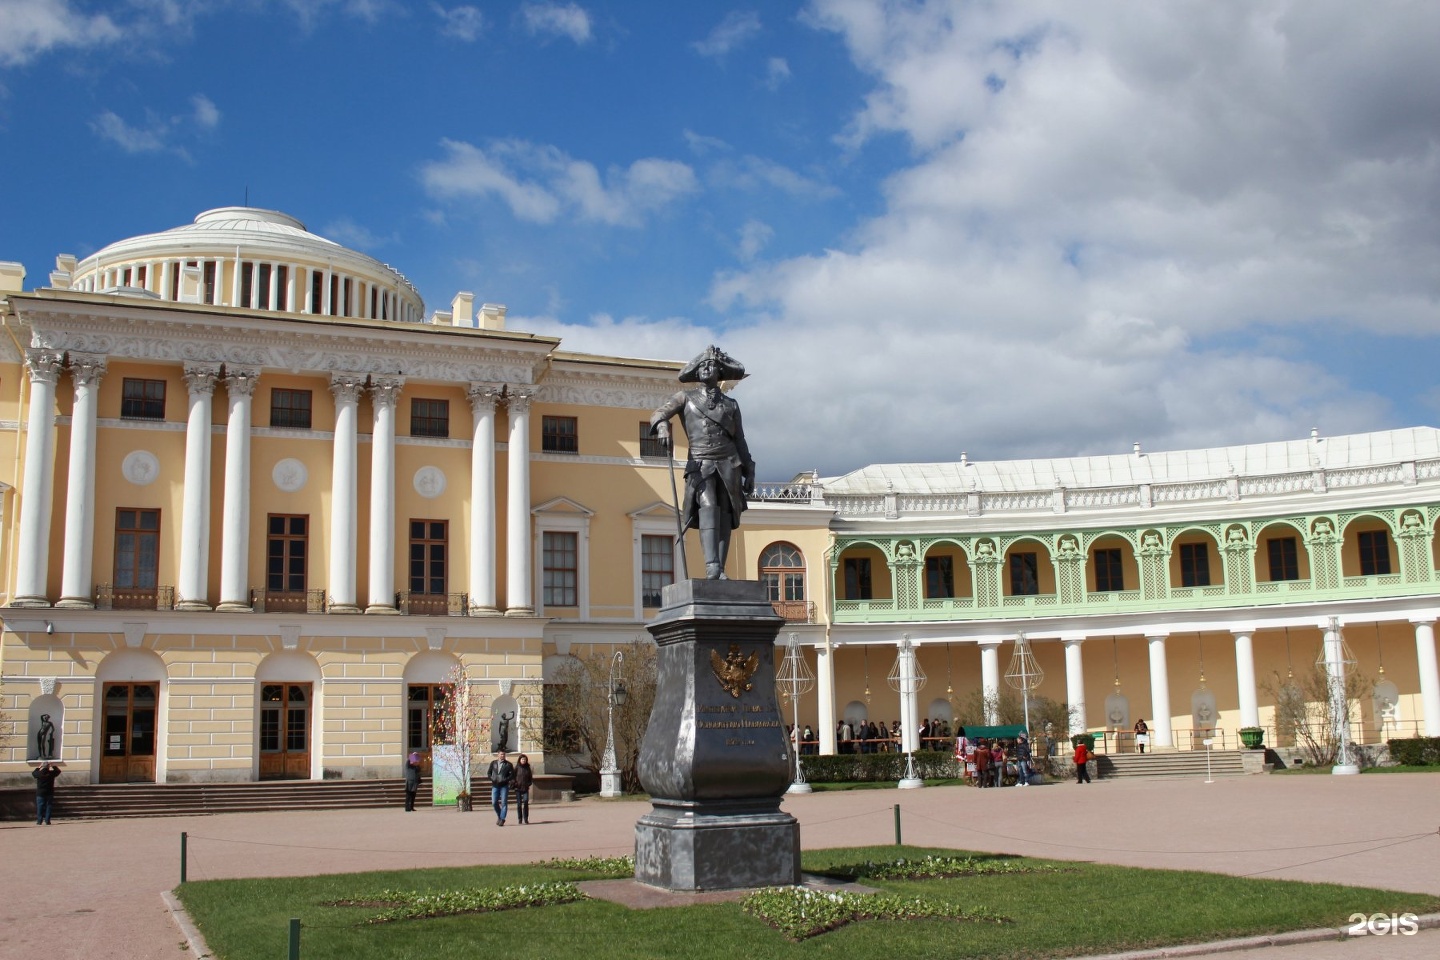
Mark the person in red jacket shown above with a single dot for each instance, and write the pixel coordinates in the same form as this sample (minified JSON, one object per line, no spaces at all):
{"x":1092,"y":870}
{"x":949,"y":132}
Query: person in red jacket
{"x":1082,"y":756}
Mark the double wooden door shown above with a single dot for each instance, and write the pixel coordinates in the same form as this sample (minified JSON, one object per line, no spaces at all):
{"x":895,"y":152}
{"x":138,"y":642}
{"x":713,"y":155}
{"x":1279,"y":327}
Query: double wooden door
{"x":285,"y":731}
{"x":127,"y":750}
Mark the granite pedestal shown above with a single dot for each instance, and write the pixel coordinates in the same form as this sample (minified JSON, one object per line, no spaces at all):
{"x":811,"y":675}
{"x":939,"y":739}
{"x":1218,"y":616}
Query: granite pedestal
{"x":716,"y":759}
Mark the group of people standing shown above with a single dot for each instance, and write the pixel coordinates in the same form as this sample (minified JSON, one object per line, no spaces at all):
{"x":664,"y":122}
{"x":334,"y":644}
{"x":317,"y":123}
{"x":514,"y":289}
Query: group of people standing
{"x":989,"y":763}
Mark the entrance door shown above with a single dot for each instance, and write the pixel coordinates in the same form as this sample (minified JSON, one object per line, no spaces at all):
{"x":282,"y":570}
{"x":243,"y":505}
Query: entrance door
{"x":127,"y":754}
{"x":285,"y":731}
{"x":425,"y":721}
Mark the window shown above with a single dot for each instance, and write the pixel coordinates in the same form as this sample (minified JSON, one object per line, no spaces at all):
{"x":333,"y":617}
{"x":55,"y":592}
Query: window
{"x":940,"y":577}
{"x":1024,"y":574}
{"x":142,"y":399}
{"x":287,"y":538}
{"x":560,"y":568}
{"x":657,"y":567}
{"x":425,"y":723}
{"x":1194,"y":565}
{"x":651,"y":446}
{"x":137,"y":549}
{"x":429,"y":418}
{"x":559,"y":435}
{"x":427,"y":557}
{"x":1374,"y":553}
{"x":1284,"y":559}
{"x":1109,"y":573}
{"x":857,"y":578}
{"x":782,"y":570}
{"x":290,"y":408}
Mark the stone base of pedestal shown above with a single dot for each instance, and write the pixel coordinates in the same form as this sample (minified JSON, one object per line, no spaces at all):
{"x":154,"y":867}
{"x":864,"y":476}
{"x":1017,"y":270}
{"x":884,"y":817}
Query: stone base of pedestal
{"x":690,"y":849}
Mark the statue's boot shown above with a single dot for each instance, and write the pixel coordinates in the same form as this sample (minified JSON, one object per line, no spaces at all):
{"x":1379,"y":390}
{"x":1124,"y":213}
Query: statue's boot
{"x":714,"y":567}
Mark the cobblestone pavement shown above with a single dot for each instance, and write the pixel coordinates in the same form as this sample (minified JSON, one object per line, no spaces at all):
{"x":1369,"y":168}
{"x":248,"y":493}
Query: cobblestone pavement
{"x":91,"y":889}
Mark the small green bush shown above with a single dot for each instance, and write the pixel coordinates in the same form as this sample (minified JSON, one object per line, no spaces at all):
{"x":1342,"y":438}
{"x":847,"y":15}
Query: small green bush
{"x":1416,"y":751}
{"x":877,"y":767}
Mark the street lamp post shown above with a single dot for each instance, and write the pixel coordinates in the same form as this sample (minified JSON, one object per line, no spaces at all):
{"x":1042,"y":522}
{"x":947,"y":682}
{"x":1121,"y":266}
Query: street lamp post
{"x":1337,"y":658}
{"x":615,"y":696}
{"x":907,"y":678}
{"x":796,"y":679}
{"x":1024,"y":673}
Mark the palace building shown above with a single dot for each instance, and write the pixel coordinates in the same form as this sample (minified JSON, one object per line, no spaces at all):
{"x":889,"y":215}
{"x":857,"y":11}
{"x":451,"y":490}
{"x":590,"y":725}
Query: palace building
{"x":259,"y":507}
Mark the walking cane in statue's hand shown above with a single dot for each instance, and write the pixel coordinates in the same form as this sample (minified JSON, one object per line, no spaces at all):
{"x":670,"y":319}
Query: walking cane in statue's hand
{"x":669,"y":442}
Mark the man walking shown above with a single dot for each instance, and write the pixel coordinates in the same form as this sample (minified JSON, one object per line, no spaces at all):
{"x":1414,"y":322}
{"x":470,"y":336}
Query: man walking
{"x":501,"y":774}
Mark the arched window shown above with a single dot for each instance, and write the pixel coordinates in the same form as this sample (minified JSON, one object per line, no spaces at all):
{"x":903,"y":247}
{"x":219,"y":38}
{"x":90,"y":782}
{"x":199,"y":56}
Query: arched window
{"x":782,"y":570}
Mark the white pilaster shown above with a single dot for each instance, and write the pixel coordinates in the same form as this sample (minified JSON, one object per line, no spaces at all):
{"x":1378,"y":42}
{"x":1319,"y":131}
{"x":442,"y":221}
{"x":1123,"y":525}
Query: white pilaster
{"x":194,"y":576}
{"x":36,"y":497}
{"x":518,"y":600}
{"x":1429,"y":675}
{"x":1075,"y":685}
{"x":235,"y":524}
{"x":482,"y":500}
{"x":384,"y":394}
{"x":76,"y":584}
{"x":990,"y":677}
{"x":344,"y":492}
{"x":1245,"y":678}
{"x":1161,"y":731}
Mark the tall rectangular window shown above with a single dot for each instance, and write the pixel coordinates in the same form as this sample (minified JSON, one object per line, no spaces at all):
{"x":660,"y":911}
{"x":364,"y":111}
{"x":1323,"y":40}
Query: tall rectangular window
{"x":1374,"y":553}
{"x":429,"y":418}
{"x":1194,"y":565}
{"x":290,"y":408}
{"x":1284,"y":559}
{"x":287,"y":540}
{"x":1024,"y":575}
{"x":940,"y":577}
{"x":559,"y":435}
{"x":1109,"y":573}
{"x":142,"y":399}
{"x":651,"y":446}
{"x":137,"y":549}
{"x":560,"y":562}
{"x":657,"y":567}
{"x":427,"y":557}
{"x":857,"y":579}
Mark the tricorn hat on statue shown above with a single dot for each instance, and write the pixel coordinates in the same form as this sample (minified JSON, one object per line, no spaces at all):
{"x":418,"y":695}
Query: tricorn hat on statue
{"x":728,"y":367}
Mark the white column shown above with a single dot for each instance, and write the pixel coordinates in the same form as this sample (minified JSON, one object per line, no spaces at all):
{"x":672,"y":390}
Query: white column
{"x":292,"y":288}
{"x":76,"y":584}
{"x":1075,"y":685}
{"x":990,"y":677}
{"x":235,"y":524}
{"x":1429,"y":675}
{"x":384,"y":394}
{"x":1161,"y":734}
{"x":193,"y":586}
{"x":36,"y":496}
{"x":307,"y":291}
{"x":825,"y":697}
{"x":482,"y":500}
{"x":344,"y":492}
{"x":325,"y":299}
{"x":1245,"y":678}
{"x":166,"y":272}
{"x":234,"y":281}
{"x":518,"y":601}
{"x":273,"y":302}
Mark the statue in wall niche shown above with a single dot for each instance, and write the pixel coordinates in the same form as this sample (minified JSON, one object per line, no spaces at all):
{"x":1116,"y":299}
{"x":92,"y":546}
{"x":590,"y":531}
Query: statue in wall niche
{"x":502,"y":732}
{"x":45,"y":738}
{"x":719,"y":473}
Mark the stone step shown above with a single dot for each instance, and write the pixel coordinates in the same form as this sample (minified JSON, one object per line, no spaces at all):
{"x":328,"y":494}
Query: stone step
{"x":1220,"y":763}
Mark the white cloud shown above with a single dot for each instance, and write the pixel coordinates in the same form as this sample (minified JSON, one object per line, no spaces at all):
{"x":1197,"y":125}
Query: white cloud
{"x":206,"y":114}
{"x":30,"y":28}
{"x":777,"y":72}
{"x":755,"y":235}
{"x":158,"y":134}
{"x":733,"y":31}
{"x":131,"y":139}
{"x":555,"y":19}
{"x":541,"y":183}
{"x":347,"y":232}
{"x":463,"y":23}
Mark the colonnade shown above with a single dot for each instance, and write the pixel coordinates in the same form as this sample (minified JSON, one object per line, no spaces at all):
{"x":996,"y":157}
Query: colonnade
{"x":87,"y":370}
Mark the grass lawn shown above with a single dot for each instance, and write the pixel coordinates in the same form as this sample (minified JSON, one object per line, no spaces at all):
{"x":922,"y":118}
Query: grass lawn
{"x":1075,"y":909}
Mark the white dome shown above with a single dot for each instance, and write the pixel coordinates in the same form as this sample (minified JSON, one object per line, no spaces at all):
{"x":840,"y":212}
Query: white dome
{"x":253,"y":259}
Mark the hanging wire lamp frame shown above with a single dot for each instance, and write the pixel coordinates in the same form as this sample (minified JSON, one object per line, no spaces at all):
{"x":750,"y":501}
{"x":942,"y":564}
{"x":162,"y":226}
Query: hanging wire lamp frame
{"x":795,"y":679}
{"x":907,"y":678}
{"x":1024,"y":673}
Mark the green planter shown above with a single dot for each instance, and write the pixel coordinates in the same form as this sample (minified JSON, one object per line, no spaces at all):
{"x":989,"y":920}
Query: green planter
{"x":1252,"y":737}
{"x":1086,"y":738}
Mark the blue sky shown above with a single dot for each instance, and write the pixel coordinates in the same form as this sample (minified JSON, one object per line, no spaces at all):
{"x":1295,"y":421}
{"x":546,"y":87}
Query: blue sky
{"x":1039,"y":229}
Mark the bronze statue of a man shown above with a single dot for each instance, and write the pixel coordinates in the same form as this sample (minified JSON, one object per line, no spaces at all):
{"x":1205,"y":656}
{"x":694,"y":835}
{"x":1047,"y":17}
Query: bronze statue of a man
{"x":719,"y":473}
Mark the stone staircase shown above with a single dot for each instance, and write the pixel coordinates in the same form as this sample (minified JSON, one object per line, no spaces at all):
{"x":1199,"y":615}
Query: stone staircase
{"x":1186,"y":764}
{"x":119,"y":800}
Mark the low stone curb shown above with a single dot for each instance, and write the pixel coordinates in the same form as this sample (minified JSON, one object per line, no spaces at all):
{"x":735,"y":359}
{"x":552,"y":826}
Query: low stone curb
{"x":1428,"y":921}
{"x":194,"y":941}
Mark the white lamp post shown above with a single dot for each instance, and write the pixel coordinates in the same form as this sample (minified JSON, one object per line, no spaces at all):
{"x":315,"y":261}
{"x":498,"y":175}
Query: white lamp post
{"x":907,"y":678}
{"x":616,"y":696}
{"x":1337,"y":658}
{"x":796,"y":679}
{"x":1024,"y":673}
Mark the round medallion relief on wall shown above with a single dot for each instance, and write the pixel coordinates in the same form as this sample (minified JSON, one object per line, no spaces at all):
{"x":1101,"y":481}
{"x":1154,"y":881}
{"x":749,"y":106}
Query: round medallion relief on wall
{"x":289,"y":475}
{"x":429,"y":482}
{"x":140,"y":467}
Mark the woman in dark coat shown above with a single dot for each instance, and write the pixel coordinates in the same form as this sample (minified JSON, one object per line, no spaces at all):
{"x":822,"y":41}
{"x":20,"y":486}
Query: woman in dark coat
{"x":524,"y":780}
{"x":412,"y":780}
